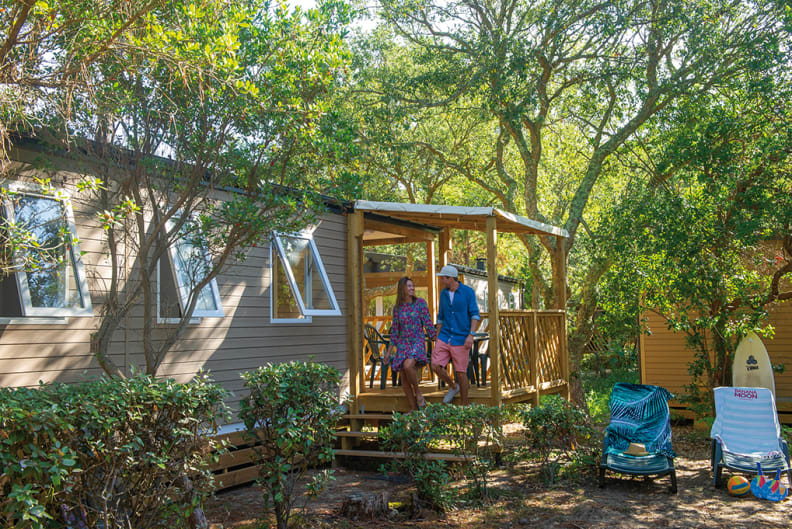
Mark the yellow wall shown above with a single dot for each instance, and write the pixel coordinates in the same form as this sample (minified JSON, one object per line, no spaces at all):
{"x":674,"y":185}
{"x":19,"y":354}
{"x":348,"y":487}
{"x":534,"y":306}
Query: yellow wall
{"x":665,"y":356}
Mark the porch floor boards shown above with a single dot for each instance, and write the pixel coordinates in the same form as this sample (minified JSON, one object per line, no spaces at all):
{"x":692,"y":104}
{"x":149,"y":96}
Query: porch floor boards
{"x":392,"y":398}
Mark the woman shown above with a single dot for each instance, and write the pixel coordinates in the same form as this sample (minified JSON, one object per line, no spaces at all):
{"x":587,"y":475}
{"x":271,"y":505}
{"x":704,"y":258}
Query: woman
{"x":411,"y":319}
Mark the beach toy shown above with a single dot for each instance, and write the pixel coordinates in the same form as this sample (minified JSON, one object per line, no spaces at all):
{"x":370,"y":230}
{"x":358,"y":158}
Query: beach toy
{"x":758,"y":482}
{"x":774,"y":490}
{"x":738,"y":486}
{"x":768,"y":488}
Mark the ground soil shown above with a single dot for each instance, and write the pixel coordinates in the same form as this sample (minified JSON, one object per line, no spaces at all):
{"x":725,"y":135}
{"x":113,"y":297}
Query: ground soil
{"x":519,"y":499}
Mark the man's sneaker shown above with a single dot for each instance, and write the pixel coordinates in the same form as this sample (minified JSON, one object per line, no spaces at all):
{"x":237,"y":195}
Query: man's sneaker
{"x":450,"y":395}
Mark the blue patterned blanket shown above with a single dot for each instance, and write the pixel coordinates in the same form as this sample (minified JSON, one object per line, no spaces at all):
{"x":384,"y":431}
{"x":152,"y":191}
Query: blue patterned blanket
{"x":639,"y":414}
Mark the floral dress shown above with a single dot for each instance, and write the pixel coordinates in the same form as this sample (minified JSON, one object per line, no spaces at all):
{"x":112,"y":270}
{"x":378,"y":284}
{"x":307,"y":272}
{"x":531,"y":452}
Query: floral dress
{"x":407,"y":332}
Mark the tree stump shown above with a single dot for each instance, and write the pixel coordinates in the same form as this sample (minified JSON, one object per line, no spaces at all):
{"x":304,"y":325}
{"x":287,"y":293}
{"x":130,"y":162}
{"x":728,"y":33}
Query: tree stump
{"x":365,"y":506}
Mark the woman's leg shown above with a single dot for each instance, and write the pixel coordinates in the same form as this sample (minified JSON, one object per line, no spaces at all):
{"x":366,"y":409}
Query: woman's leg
{"x":409,"y":392}
{"x":410,"y":383}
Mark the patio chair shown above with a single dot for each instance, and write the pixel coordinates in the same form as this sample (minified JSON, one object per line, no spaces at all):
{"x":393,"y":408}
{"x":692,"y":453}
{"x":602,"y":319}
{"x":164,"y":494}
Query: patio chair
{"x":377,"y":346}
{"x":746,"y":431}
{"x":639,"y":416}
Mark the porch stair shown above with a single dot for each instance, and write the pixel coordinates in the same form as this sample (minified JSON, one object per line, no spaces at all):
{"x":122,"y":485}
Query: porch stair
{"x":355,"y":429}
{"x":356,"y":442}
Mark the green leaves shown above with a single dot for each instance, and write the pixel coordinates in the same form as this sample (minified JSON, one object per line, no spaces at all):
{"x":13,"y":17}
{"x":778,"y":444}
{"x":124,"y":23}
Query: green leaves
{"x":559,"y":435}
{"x":705,"y":245}
{"x":473,"y":431}
{"x":291,"y":413}
{"x":118,"y":445}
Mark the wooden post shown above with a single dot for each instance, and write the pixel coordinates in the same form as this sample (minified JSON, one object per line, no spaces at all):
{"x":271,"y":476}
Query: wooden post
{"x":431,"y":279}
{"x":444,"y":247}
{"x":355,"y":305}
{"x":560,"y":264}
{"x":443,"y":252}
{"x":535,"y":356}
{"x":559,"y":279}
{"x":492,"y":309}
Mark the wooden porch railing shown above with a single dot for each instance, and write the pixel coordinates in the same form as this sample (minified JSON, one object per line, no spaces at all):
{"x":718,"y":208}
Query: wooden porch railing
{"x":532,"y":348}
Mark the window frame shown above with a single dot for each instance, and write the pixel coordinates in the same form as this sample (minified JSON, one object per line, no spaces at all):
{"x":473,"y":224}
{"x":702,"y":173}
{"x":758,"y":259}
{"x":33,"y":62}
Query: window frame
{"x":277,"y":252}
{"x":56,"y":314}
{"x":161,"y":319}
{"x":214,"y":289}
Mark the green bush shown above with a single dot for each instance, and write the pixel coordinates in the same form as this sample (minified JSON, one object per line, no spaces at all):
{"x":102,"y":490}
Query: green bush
{"x":598,"y":389}
{"x":617,"y":357}
{"x":291,"y":414}
{"x":560,"y":436}
{"x":111,"y":452}
{"x":473,"y":431}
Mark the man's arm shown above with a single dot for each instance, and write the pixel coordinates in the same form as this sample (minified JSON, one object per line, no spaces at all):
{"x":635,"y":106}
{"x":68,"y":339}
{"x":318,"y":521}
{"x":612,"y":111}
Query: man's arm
{"x":475,"y":319}
{"x":474,"y":324}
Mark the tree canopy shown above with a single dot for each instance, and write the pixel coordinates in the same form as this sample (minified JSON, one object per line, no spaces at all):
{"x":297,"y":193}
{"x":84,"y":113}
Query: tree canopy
{"x":706,"y":241}
{"x":193,"y":98}
{"x":556,"y":89}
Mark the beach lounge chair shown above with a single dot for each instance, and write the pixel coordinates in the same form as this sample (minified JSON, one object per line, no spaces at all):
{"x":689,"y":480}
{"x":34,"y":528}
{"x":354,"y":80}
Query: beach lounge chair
{"x":638,"y":438}
{"x":746,"y":431}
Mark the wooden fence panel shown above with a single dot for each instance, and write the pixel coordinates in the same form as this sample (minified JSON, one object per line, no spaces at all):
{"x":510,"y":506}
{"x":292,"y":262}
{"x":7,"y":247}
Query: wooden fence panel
{"x":516,"y":339}
{"x":518,"y":347}
{"x":551,"y":327}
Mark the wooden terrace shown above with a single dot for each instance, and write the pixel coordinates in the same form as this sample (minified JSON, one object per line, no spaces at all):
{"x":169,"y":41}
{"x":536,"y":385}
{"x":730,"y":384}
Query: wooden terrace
{"x":526,"y":354}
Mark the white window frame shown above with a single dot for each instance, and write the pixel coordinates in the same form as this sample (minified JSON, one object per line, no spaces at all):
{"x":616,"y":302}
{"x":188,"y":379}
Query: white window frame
{"x":55,"y":313}
{"x":277,"y":252}
{"x":183,"y":293}
{"x":160,"y":319}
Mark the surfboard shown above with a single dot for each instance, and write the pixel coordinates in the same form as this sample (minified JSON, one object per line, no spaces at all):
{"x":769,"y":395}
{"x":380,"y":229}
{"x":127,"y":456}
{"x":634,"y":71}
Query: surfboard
{"x":752,"y":367}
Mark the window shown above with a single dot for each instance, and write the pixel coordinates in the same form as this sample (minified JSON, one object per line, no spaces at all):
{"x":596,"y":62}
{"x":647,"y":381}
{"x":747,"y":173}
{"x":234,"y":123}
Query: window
{"x":188,"y":264}
{"x":49,"y":278}
{"x":300,"y":287}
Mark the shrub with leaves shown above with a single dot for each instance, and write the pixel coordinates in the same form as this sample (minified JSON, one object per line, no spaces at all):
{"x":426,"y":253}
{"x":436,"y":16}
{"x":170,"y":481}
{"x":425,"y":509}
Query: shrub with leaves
{"x":560,"y":436}
{"x":291,"y":414}
{"x":472,"y":431}
{"x":113,"y":453}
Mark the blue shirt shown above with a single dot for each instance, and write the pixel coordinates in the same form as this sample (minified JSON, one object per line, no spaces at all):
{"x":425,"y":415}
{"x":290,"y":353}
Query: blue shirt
{"x":456,"y":316}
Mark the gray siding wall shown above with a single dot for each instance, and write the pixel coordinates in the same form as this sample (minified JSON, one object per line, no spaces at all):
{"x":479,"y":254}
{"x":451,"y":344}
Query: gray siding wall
{"x":505,"y":291}
{"x":243,"y":340}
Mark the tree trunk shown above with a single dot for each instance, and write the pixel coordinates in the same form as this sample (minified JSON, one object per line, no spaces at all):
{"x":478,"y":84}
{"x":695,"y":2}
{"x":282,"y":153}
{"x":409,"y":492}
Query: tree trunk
{"x":577,"y":344}
{"x":583,"y":330}
{"x":365,"y":506}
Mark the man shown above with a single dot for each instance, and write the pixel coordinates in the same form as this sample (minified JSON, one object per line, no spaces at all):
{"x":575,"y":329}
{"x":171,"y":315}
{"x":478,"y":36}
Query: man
{"x":457,"y":320}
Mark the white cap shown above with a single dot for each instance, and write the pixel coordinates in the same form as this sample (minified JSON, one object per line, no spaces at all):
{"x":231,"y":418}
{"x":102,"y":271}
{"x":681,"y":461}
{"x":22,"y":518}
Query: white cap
{"x":448,"y":271}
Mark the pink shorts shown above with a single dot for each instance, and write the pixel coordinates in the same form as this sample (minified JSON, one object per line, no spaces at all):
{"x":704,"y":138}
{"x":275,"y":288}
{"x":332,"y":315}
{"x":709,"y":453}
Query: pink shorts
{"x":443,"y":353}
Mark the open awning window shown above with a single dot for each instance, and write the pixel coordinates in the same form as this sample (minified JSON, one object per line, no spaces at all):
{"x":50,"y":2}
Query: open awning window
{"x":190,"y":263}
{"x":300,"y":286}
{"x":49,"y":277}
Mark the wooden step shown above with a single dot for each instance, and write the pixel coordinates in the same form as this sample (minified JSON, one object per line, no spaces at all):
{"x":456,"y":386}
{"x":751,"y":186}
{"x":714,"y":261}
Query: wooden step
{"x":372,"y":416}
{"x":401,"y":455}
{"x":345,"y":433}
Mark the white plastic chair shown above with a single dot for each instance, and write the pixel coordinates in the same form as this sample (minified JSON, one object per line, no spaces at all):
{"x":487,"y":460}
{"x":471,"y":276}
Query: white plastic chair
{"x":746,"y":431}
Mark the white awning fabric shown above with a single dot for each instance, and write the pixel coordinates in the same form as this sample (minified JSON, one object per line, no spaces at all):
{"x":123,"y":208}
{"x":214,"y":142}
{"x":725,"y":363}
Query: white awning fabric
{"x":459,"y":217}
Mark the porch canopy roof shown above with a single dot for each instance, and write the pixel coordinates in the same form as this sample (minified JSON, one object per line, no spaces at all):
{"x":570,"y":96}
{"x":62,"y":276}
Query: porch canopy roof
{"x":458,"y":217}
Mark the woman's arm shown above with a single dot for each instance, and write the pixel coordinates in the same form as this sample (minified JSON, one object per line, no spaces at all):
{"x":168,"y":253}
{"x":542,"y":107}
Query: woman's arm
{"x":426,"y":318}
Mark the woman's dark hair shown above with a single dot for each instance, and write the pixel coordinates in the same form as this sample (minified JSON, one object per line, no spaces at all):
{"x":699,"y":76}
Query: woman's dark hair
{"x":401,"y":291}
